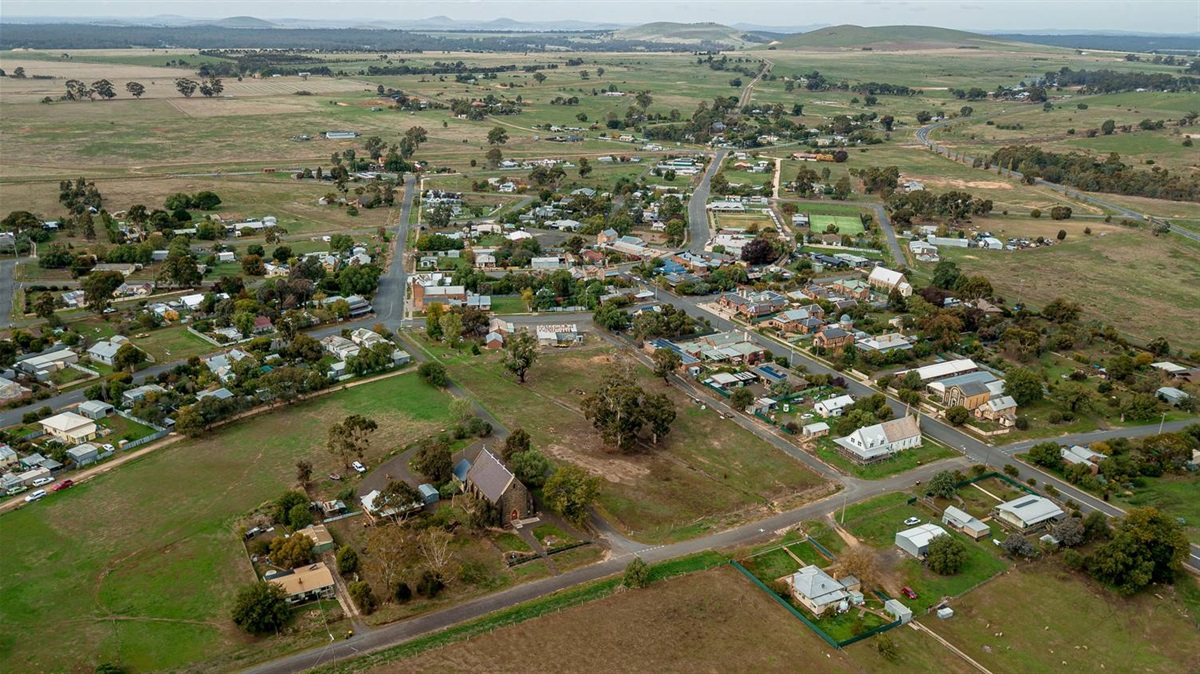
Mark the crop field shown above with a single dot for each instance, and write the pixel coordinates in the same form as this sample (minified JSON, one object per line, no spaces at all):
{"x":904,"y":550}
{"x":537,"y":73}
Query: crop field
{"x":1044,"y":618}
{"x":1118,"y":279}
{"x":704,"y":471}
{"x":695,"y":622}
{"x":143,"y":562}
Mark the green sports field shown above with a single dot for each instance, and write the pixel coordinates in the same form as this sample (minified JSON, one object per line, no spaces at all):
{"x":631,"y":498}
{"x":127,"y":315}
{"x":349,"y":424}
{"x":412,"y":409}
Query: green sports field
{"x":847,"y":225}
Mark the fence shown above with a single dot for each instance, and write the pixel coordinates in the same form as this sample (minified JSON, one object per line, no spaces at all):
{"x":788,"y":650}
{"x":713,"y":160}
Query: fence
{"x":794,"y":611}
{"x":158,"y":434}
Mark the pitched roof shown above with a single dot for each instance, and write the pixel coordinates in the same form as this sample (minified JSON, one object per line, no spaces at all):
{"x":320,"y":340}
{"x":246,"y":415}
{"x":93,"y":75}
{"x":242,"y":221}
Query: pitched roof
{"x":307,"y":579}
{"x":490,"y":476}
{"x":819,"y":587}
{"x":902,"y":428}
{"x":1031,"y":509}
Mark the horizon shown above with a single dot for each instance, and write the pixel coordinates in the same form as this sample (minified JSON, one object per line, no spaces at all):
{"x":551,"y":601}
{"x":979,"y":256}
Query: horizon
{"x":1160,"y":17}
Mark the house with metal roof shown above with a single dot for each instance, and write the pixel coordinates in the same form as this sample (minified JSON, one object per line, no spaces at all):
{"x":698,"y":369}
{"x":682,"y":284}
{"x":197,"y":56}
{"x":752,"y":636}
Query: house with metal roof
{"x":943,"y":370}
{"x":833,"y":406}
{"x":816,"y":590}
{"x":967,"y":390}
{"x":880,"y":441}
{"x":965,"y":522}
{"x":1029,"y":512}
{"x":305,"y":584}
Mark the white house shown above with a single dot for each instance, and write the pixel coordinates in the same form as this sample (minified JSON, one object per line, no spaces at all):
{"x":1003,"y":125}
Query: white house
{"x":816,"y":590}
{"x":880,"y":441}
{"x":887,"y":280}
{"x":834,"y":406}
{"x":915,"y":541}
{"x":69,"y":428}
{"x":104,"y":351}
{"x":1028,"y":512}
{"x":965,"y":522}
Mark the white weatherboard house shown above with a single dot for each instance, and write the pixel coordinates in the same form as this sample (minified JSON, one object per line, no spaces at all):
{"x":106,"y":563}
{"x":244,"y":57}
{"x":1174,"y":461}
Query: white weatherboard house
{"x":915,"y":541}
{"x":1029,"y":512}
{"x":816,"y":589}
{"x":880,"y":441}
{"x":834,"y":406}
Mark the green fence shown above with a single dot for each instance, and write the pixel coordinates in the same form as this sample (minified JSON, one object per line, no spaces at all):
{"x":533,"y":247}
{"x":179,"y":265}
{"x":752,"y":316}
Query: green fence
{"x":822,"y":549}
{"x":869,"y":633}
{"x":762,"y":586}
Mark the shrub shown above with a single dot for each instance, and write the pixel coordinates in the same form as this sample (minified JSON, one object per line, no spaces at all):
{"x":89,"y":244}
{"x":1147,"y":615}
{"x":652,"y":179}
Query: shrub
{"x":1022,"y":423}
{"x":1011,"y":470}
{"x":429,"y":584}
{"x":434,"y":374}
{"x":978,"y":469}
{"x":1035,"y":213}
{"x":946,"y":555}
{"x":957,"y":415}
{"x":347,"y":560}
{"x":637,"y":574}
{"x":1072,"y":560}
{"x":402,"y":592}
{"x":363,"y":596}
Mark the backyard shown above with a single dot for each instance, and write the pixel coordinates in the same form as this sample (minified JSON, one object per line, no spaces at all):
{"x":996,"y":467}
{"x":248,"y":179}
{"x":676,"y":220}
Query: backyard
{"x":152,"y":555}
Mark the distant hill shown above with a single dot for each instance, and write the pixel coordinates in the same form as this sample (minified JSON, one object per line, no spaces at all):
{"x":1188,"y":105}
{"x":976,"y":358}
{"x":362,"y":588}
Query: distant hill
{"x":688,"y":33}
{"x":890,"y":38}
{"x":1178,"y":44}
{"x":237,"y":22}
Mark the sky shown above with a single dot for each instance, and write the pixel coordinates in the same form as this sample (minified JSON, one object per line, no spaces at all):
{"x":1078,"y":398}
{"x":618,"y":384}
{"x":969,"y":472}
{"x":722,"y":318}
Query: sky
{"x":1164,"y":16}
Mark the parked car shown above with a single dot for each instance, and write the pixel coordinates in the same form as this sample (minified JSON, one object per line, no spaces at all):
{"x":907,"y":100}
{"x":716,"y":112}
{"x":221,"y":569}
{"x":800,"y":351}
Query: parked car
{"x":358,"y":467}
{"x":109,"y":448}
{"x":806,"y":416}
{"x":908,"y":592}
{"x":42,"y":481}
{"x":65,"y":484}
{"x":13,"y":491}
{"x":36,"y":496}
{"x":912,"y":521}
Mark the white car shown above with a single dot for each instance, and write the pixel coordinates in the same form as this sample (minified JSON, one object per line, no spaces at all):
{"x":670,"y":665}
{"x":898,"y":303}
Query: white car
{"x":912,"y":521}
{"x":806,"y":416}
{"x":36,"y":496}
{"x":109,"y":448}
{"x":358,"y":467}
{"x":41,"y":481}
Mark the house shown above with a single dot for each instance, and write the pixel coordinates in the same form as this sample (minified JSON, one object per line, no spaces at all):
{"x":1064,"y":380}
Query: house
{"x":493,"y":341}
{"x":134,"y":290}
{"x":83,"y":455}
{"x":1028,"y":512}
{"x":855,"y":288}
{"x":7,"y":456}
{"x":11,"y":390}
{"x":815,"y":430}
{"x":69,"y":428}
{"x":1172,"y":395}
{"x":1082,"y":456}
{"x":965,"y":522}
{"x":546,"y":263}
{"x":321,"y":538}
{"x":95,"y":409}
{"x":833,"y":339}
{"x":969,"y":390}
{"x":887,"y":280}
{"x":41,"y":366}
{"x":892,"y":341}
{"x":226,"y":256}
{"x":915,"y":541}
{"x":218,"y":394}
{"x":558,"y":335}
{"x":426,"y":292}
{"x":833,"y":406}
{"x":262,"y":324}
{"x":492,"y":480}
{"x":1000,"y":409}
{"x":880,"y":441}
{"x":731,"y":380}
{"x":122,"y":269}
{"x":221,"y":364}
{"x":367,"y":338}
{"x":949,"y":368}
{"x":753,"y":305}
{"x":306,"y":584}
{"x":104,"y":351}
{"x":816,"y":590}
{"x":133,"y":395}
{"x":898,"y":611}
{"x":374,"y":509}
{"x":340,"y":347}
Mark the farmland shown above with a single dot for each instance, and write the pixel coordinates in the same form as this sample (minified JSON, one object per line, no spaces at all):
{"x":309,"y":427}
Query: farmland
{"x":152,"y":572}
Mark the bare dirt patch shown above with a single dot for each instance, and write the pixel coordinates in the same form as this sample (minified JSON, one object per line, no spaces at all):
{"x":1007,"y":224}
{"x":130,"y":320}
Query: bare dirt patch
{"x":965,"y":184}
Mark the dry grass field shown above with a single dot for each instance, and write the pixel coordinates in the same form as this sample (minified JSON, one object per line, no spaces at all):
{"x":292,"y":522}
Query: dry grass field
{"x":712,"y":621}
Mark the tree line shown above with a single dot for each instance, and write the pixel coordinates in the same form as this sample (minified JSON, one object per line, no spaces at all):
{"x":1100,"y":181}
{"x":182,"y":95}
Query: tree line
{"x":1087,"y":173}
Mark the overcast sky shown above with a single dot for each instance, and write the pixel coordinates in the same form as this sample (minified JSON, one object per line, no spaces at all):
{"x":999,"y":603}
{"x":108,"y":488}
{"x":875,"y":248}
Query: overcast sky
{"x":1166,"y":16}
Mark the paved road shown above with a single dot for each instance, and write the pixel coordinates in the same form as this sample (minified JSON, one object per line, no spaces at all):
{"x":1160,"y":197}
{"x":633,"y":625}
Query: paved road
{"x":698,"y":233}
{"x":1074,"y":193}
{"x":389,"y":296}
{"x":8,"y":288}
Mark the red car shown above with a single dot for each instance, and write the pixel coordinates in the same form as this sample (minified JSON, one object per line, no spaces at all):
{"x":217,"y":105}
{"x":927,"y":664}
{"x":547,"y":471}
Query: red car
{"x":908,"y":592}
{"x":65,"y":484}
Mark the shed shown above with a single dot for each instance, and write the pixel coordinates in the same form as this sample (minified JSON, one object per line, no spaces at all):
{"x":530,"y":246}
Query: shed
{"x":915,"y":541}
{"x":321,"y":538}
{"x":461,"y":469}
{"x":84,"y":454}
{"x":429,"y":493}
{"x":95,"y":409}
{"x":965,"y":522}
{"x":898,"y":611}
{"x":945,"y":613}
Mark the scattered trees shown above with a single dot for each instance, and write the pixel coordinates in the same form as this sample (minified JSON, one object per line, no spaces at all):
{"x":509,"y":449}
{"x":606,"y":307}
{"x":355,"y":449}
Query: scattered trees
{"x":620,"y":410}
{"x":351,"y":437}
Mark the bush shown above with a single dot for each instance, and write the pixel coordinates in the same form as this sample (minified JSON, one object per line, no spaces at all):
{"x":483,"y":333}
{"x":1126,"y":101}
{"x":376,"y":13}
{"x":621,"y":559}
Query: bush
{"x":946,"y":555}
{"x":347,"y":560}
{"x":1035,"y":213}
{"x":299,"y":516}
{"x":637,"y":574}
{"x":434,"y":374}
{"x":1011,"y":470}
{"x":957,"y":415}
{"x":886,"y":648}
{"x":260,"y":547}
{"x":429,"y":584}
{"x":978,"y":469}
{"x":402,"y":592}
{"x":1072,"y":560}
{"x":363,"y":596}
{"x":1022,"y":423}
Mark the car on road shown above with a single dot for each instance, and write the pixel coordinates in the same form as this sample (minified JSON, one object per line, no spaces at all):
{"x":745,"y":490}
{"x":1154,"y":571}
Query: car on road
{"x":912,"y":521}
{"x":36,"y":496}
{"x":65,"y":484}
{"x":42,"y":481}
{"x":908,"y":592}
{"x":358,"y":467}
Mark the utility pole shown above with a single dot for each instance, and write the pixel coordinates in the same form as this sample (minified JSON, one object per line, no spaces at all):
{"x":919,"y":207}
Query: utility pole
{"x":1161,"y":422}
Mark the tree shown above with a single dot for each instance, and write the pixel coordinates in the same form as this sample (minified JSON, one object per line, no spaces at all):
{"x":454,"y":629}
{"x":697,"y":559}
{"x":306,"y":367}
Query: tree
{"x":135,"y":89}
{"x":293,"y":551}
{"x":351,"y":437}
{"x":569,"y":492}
{"x":741,"y":399}
{"x":520,"y":353}
{"x":497,"y":136}
{"x":659,"y":413}
{"x":452,"y":328}
{"x":1147,"y":547}
{"x":862,"y":562}
{"x":1061,"y":311}
{"x":1095,"y":526}
{"x":433,"y":321}
{"x":44,"y":305}
{"x":530,"y":467}
{"x":943,"y":484}
{"x":399,"y":496}
{"x":666,"y":361}
{"x":1018,"y":546}
{"x":758,"y":251}
{"x":1077,"y":397}
{"x":304,"y":471}
{"x":299,"y":517}
{"x":98,"y":289}
{"x":128,"y":357}
{"x":946,"y":555}
{"x":644,"y":99}
{"x":637,"y":574}
{"x":1108,"y":127}
{"x":539,"y":77}
{"x":186,"y":86}
{"x":886,"y":648}
{"x":493,"y":157}
{"x":433,"y":374}
{"x":104,"y":89}
{"x":261,"y":608}
{"x":252,"y":265}
{"x":347,"y":560}
{"x":957,"y":415}
{"x":1070,"y":532}
{"x":363,"y":596}
{"x":433,"y":460}
{"x":515,"y":443}
{"x":1023,"y":385}
{"x":1046,"y":454}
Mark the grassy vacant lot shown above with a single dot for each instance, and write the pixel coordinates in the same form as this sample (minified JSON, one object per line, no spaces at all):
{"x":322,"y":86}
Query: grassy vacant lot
{"x":694,"y":622}
{"x":143,"y":562}
{"x":1052,"y":619}
{"x":1119,"y":279}
{"x":1173,"y":494}
{"x":705,"y":469}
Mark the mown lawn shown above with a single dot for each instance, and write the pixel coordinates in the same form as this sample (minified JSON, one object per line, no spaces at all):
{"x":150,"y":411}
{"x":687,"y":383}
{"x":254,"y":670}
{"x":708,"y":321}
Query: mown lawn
{"x":143,"y":562}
